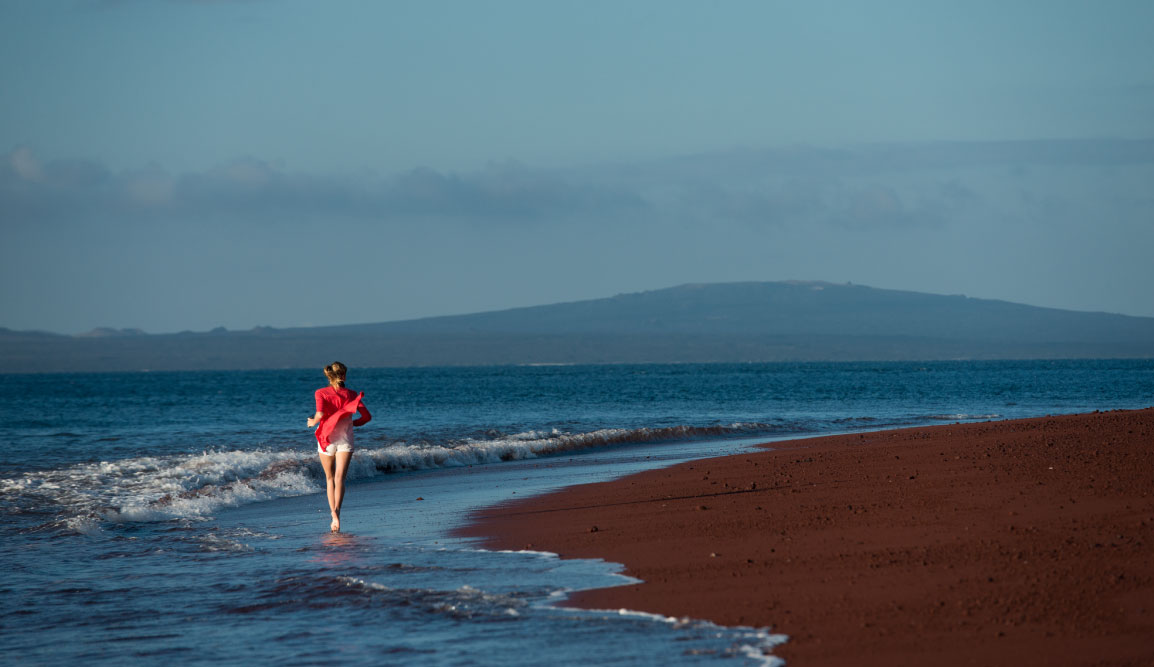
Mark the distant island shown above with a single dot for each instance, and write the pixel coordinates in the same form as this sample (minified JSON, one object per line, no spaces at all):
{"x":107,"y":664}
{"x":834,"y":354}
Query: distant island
{"x":723,"y":322}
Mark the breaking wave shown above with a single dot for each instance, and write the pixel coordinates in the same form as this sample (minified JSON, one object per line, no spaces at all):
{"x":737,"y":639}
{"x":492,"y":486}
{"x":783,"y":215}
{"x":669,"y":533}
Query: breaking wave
{"x":77,"y":499}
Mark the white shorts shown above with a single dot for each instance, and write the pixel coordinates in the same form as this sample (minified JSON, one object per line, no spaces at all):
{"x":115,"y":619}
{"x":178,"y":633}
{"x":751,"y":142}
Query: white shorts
{"x":341,"y":439}
{"x":333,"y":448}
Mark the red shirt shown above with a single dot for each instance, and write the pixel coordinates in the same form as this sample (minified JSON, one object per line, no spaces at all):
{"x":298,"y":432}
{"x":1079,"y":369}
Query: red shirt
{"x":334,"y":404}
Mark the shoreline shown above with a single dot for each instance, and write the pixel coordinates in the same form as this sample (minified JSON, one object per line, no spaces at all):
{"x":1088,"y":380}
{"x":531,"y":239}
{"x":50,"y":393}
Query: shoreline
{"x":1014,"y":542}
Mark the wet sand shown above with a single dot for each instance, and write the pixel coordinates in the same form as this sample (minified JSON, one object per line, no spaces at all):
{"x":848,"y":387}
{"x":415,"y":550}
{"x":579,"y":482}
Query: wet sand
{"x":1024,"y":542}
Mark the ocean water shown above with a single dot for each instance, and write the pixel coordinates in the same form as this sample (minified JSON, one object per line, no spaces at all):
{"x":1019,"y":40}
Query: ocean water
{"x":156,"y":517}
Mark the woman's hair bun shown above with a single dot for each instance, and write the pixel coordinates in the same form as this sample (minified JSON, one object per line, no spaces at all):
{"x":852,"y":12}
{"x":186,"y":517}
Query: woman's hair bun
{"x":336,"y":372}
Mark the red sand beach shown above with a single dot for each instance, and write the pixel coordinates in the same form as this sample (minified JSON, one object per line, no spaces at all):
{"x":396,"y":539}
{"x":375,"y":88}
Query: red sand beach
{"x":1023,"y":542}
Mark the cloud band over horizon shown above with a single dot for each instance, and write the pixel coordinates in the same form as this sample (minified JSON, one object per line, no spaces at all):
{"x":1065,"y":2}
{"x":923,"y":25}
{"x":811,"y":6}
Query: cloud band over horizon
{"x":804,"y":206}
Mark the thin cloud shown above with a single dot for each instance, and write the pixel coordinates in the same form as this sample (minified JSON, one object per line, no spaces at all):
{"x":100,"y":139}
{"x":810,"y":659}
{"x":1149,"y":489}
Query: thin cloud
{"x":83,"y":189}
{"x":863,"y":187}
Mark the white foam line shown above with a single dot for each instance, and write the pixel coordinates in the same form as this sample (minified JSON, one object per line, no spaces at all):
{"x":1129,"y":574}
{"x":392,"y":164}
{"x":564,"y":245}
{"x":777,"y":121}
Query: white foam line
{"x":757,"y":650}
{"x":549,"y":555}
{"x":764,"y":640}
{"x":194,"y":486}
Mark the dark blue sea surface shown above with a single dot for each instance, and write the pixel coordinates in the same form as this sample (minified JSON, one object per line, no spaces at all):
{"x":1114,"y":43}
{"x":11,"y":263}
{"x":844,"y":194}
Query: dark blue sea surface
{"x":178,"y":516}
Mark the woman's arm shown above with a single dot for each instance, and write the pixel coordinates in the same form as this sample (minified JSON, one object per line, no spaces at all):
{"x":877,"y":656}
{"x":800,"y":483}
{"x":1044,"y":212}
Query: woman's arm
{"x":320,"y":405}
{"x":365,"y":416}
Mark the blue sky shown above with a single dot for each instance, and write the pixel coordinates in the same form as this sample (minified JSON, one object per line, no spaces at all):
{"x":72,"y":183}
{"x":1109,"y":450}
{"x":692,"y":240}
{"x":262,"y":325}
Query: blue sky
{"x":183,"y":165}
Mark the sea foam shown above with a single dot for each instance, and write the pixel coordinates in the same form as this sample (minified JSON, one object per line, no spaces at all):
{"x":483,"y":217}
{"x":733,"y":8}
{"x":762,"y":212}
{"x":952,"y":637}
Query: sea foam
{"x":194,"y":486}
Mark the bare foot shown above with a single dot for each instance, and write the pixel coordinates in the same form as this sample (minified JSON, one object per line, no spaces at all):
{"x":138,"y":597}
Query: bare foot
{"x":336,"y":525}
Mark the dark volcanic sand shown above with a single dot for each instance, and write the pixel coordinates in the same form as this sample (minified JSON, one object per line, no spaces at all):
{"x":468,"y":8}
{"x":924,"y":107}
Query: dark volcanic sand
{"x":1008,"y":543}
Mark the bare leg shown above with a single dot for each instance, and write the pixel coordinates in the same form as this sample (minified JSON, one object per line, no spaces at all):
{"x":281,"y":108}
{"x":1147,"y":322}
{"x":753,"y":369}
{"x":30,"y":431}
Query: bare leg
{"x":342,"y":469}
{"x":328,"y":464}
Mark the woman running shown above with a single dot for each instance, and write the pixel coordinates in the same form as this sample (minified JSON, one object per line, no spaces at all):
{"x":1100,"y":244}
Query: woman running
{"x":336,"y":405}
